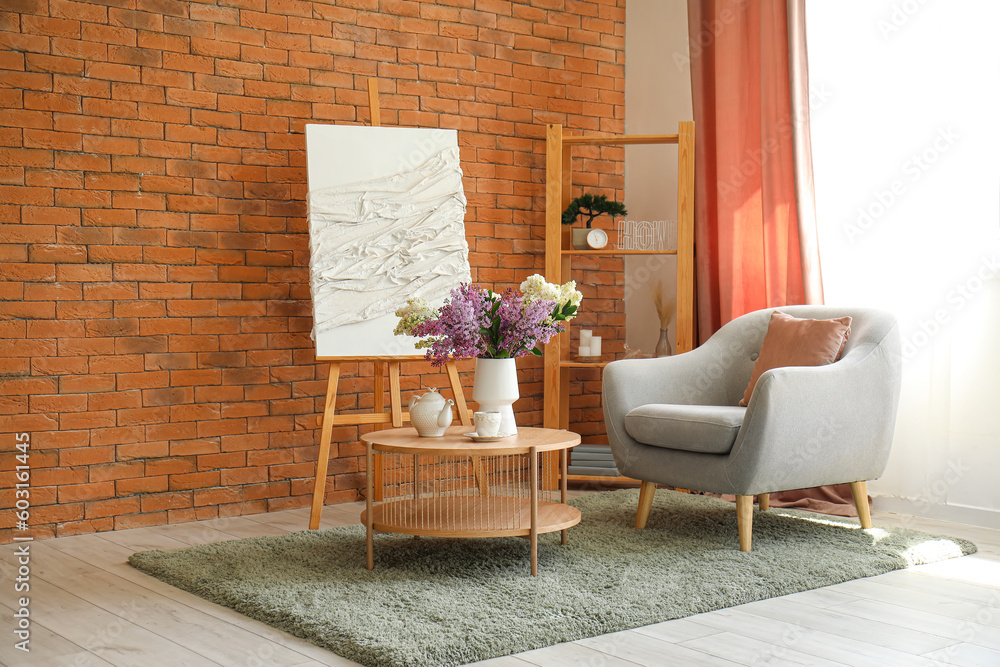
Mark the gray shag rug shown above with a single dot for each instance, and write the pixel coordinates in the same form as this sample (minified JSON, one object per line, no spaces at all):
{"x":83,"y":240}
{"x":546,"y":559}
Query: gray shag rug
{"x":454,"y":601}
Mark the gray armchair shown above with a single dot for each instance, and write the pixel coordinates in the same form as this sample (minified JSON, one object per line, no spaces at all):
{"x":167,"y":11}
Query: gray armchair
{"x":677,"y":421}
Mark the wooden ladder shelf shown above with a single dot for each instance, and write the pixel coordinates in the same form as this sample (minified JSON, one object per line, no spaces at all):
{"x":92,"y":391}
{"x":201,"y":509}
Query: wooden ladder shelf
{"x":559,"y":256}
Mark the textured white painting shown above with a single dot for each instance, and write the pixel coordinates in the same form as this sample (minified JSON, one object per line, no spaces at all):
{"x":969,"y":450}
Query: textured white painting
{"x":386,"y":222}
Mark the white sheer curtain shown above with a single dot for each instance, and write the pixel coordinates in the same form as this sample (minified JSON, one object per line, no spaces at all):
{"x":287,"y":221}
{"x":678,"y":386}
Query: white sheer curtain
{"x":905,"y":102}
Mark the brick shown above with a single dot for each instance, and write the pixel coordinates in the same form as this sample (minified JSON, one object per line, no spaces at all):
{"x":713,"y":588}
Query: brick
{"x":116,"y":435}
{"x":215,"y":496}
{"x":68,"y":403}
{"x":267,"y":490}
{"x":150,"y":415}
{"x":27,"y":310}
{"x":27,"y":234}
{"x":26,"y":195}
{"x":126,"y":487}
{"x":52,"y":514}
{"x":196,"y":480}
{"x":115,"y":471}
{"x":12,"y":61}
{"x":127,"y":521}
{"x":86,"y":384}
{"x":81,"y":492}
{"x":111,"y":507}
{"x":140,"y":344}
{"x":59,"y":365}
{"x":115,"y":401}
{"x":166,"y":501}
{"x":22,"y":271}
{"x":143,"y":450}
{"x":167,"y":396}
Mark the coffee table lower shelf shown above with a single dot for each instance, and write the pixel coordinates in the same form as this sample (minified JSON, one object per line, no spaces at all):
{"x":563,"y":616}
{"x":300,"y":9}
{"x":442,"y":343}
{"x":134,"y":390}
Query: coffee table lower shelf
{"x":470,"y":516}
{"x":448,"y":486}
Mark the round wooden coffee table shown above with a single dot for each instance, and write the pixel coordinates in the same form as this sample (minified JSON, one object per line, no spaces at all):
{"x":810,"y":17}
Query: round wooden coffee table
{"x":454,"y":486}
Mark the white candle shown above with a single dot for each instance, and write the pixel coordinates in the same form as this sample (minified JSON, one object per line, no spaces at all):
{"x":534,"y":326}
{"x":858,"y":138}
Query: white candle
{"x":584,"y":351}
{"x":595,"y":346}
{"x":585,"y":336}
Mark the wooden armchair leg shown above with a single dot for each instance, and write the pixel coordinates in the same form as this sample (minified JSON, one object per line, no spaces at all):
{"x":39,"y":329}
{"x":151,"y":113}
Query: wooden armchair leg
{"x":646,"y":492}
{"x":744,"y":520}
{"x":859,"y":491}
{"x":763,"y":501}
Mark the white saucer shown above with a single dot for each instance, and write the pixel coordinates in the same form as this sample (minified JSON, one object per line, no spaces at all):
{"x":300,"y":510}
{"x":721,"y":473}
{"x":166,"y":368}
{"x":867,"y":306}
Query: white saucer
{"x":485,"y":438}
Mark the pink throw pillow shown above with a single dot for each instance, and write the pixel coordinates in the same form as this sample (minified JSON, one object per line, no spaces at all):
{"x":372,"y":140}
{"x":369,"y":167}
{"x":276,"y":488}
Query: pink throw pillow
{"x":792,"y":341}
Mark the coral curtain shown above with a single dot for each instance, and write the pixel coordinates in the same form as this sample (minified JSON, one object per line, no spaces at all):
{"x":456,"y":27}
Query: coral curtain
{"x":754,"y":206}
{"x":755,"y":229}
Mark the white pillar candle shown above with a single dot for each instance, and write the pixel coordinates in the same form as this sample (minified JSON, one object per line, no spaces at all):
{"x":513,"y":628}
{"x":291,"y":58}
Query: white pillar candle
{"x":595,"y":346}
{"x":584,"y":351}
{"x":585,"y":336}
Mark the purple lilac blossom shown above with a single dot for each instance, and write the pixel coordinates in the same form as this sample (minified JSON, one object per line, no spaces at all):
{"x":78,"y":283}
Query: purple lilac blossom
{"x":521,"y":326}
{"x":458,"y":330}
{"x":457,"y":326}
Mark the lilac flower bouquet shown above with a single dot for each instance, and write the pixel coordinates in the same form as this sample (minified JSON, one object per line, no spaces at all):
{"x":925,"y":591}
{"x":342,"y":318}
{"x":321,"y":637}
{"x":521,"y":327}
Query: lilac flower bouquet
{"x":478,"y":322}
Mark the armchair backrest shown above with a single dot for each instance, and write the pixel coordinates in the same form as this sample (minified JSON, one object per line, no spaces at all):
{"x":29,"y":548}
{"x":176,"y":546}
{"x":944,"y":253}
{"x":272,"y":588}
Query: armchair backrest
{"x":738,"y":342}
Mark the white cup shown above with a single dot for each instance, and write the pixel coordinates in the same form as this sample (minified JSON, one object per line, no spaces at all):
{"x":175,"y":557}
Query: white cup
{"x":487,"y":423}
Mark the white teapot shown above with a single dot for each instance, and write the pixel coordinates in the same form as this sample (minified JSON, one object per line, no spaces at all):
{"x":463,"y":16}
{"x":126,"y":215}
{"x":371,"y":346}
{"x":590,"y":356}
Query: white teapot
{"x":430,"y":414}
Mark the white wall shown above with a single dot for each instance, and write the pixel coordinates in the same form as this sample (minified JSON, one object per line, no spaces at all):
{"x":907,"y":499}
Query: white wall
{"x":657,"y":97}
{"x":905,"y":141}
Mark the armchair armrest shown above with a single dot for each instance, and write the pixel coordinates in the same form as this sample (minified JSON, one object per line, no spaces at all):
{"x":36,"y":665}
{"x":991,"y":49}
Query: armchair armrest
{"x":677,"y":379}
{"x":714,"y":374}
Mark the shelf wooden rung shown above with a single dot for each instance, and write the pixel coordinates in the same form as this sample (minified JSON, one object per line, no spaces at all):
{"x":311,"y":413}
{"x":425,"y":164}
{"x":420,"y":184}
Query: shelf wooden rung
{"x":619,"y":252}
{"x":618,"y":139}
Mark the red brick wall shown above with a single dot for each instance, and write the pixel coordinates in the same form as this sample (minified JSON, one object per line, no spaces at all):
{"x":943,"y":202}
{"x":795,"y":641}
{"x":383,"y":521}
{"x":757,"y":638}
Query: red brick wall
{"x":154,"y":303}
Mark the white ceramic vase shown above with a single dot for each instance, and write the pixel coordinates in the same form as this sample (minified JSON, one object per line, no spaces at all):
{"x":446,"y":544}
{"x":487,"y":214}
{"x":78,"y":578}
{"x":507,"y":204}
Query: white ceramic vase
{"x":495,"y":389}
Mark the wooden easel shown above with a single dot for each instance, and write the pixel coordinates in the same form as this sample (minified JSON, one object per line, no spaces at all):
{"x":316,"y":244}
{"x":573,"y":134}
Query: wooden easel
{"x":378,"y":416}
{"x":396,"y":416}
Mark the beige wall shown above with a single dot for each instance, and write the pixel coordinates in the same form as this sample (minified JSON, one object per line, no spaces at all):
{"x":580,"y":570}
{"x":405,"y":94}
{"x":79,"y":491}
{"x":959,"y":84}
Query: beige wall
{"x":657,"y":97}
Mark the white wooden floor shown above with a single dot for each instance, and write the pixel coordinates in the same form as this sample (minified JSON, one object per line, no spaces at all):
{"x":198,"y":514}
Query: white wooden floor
{"x":90,"y":608}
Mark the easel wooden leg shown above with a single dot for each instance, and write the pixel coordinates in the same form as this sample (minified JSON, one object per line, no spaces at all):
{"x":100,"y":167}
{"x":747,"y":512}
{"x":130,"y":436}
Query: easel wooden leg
{"x":456,"y":389}
{"x":323,"y":460}
{"x":373,"y":105}
{"x":395,"y":400}
{"x":375,"y":471}
{"x":378,"y":374}
{"x":463,"y":415}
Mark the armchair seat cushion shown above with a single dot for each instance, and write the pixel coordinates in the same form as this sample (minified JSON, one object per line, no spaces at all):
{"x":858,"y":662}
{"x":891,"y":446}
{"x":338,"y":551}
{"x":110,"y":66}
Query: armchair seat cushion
{"x":706,"y":429}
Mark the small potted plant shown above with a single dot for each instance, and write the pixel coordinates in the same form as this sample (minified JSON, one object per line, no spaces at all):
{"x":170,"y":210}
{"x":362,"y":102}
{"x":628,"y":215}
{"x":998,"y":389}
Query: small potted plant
{"x":592,"y":206}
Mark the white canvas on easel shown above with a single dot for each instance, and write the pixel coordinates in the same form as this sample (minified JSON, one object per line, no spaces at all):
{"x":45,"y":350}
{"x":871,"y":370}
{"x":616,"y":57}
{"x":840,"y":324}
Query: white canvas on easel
{"x":386,"y":222}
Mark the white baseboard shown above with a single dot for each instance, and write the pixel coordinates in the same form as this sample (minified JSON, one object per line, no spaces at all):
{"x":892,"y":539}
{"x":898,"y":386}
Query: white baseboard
{"x":972,"y":516}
